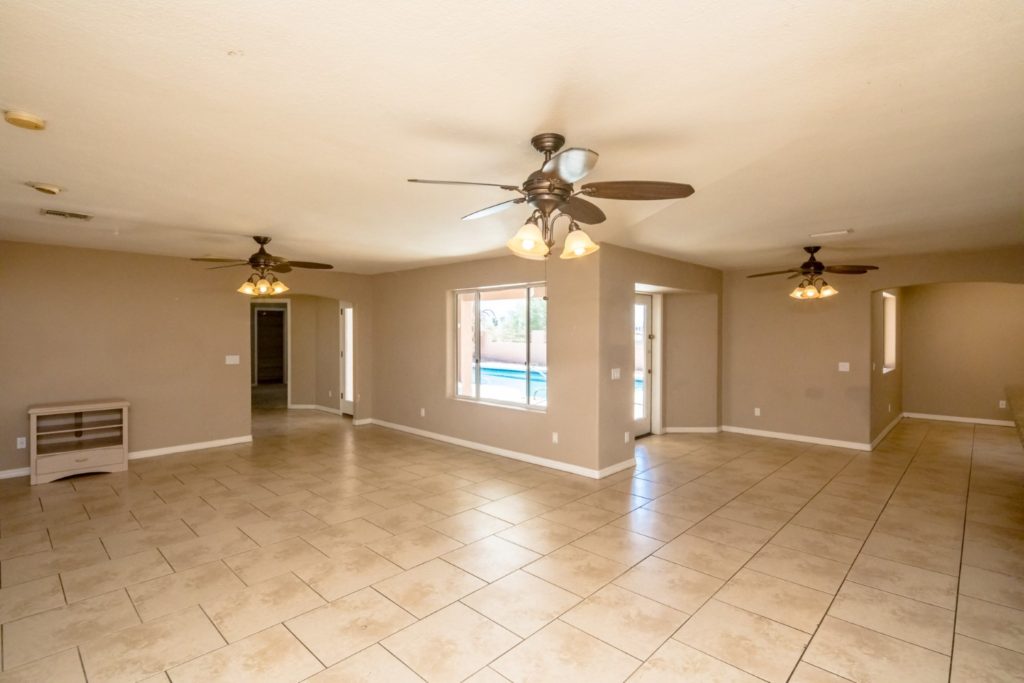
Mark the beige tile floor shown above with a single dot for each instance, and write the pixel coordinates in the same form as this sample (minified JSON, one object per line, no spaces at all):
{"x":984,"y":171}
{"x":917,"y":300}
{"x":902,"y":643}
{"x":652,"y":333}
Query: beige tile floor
{"x":328,"y":553}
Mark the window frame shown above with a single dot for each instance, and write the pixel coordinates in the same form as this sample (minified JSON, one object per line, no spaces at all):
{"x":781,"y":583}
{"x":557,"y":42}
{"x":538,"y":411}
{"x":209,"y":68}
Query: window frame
{"x":890,"y":341}
{"x":477,"y":365}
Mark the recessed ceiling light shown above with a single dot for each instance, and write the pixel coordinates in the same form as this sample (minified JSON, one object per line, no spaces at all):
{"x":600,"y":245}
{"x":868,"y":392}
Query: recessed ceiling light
{"x":22,"y":119}
{"x":45,"y":188}
{"x":832,"y":233}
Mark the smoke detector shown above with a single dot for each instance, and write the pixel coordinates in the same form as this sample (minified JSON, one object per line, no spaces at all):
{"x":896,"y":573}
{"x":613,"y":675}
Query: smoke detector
{"x":46,"y":188}
{"x":22,"y":119}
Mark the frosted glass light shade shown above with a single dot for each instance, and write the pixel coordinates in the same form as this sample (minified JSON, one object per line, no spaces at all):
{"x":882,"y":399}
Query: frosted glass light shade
{"x":248,"y":288}
{"x":528,"y":243}
{"x":278,"y":287}
{"x":828,"y":290}
{"x":577,"y":244}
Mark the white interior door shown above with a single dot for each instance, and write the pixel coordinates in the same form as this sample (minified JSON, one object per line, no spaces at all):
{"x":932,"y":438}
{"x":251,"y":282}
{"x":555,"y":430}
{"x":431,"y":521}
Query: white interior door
{"x":643,"y":345}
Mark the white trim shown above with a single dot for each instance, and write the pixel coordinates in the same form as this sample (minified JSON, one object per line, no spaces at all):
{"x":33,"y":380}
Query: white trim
{"x":613,"y":469}
{"x":885,"y":432}
{"x":856,"y":445}
{"x":313,"y":406}
{"x":183,"y":447}
{"x":657,"y":329}
{"x":362,"y":421}
{"x":951,"y":418}
{"x":692,"y":430}
{"x":504,"y":452}
{"x":16,"y":472}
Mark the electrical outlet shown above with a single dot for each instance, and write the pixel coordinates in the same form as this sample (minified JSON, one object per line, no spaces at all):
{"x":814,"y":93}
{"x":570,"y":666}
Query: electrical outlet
{"x":231,"y":360}
{"x":330,"y":393}
{"x":423,"y":412}
{"x":554,"y":437}
{"x":757,"y":412}
{"x":20,"y":441}
{"x":1002,"y":404}
{"x":890,"y":407}
{"x":616,"y":373}
{"x":844,"y":366}
{"x":628,"y":435}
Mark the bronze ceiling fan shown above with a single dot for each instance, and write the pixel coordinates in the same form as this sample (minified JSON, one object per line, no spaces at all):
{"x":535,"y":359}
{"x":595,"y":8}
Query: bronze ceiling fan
{"x":263,"y":282}
{"x":261,"y":260}
{"x":551,"y":189}
{"x":813,"y":285}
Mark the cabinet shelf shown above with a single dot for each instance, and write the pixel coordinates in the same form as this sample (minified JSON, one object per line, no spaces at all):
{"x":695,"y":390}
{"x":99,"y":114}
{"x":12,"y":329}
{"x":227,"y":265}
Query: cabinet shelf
{"x":87,"y":427}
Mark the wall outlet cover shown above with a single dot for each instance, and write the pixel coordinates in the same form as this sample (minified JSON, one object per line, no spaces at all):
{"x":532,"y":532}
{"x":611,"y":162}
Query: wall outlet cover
{"x":844,"y":366}
{"x":757,"y":412}
{"x":20,"y":441}
{"x":423,"y":412}
{"x":616,"y":373}
{"x":1002,"y":404}
{"x":554,"y":437}
{"x":232,"y":360}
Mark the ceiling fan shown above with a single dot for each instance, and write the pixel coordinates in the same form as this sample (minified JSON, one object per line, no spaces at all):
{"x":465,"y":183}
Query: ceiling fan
{"x":263,"y":282}
{"x":551,"y":191}
{"x":813,"y":285}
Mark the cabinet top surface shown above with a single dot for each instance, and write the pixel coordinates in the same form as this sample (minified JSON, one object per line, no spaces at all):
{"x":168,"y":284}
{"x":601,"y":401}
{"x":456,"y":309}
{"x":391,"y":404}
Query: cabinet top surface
{"x":82,"y":406}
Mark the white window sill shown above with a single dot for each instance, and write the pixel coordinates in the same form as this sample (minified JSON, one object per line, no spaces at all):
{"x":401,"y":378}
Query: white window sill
{"x":498,"y":404}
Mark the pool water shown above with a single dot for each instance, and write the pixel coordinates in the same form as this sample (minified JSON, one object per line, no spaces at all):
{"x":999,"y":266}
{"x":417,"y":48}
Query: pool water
{"x":510,"y":384}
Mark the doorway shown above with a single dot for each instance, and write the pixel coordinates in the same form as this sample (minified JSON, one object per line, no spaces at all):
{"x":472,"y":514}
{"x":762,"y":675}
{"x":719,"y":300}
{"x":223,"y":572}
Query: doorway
{"x":643,"y":354}
{"x":269,"y":356}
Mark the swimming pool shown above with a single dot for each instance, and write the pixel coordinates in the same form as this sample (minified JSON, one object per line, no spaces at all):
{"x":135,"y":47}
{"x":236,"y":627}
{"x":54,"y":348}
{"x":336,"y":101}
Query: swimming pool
{"x":504,"y":381}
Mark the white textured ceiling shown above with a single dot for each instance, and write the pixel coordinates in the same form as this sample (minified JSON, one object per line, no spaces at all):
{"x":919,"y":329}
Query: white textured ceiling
{"x":184,"y":124}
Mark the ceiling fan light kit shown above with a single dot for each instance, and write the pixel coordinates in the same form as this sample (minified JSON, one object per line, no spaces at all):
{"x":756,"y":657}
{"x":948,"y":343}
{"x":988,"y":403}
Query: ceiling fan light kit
{"x":551,"y":192}
{"x":812,"y":285}
{"x":263,"y":284}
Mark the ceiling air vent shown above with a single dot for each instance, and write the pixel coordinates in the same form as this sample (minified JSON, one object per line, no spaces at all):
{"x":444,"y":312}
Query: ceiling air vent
{"x":66,"y":214}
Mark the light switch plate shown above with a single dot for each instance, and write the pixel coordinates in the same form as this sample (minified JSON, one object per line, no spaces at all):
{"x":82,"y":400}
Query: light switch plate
{"x":232,"y":360}
{"x":21,"y":442}
{"x":844,"y":366}
{"x":616,"y":373}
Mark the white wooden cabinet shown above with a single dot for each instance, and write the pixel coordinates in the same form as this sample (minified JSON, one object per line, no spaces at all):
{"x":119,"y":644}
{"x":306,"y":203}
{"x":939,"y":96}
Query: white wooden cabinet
{"x":75,"y":438}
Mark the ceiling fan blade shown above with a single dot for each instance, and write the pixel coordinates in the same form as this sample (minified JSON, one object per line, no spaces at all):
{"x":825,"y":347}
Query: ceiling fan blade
{"x":306,"y":264}
{"x":776,"y":272}
{"x":571,"y":164}
{"x":513,"y":188}
{"x":282,"y":268}
{"x":230,"y":265}
{"x":637,"y":189}
{"x":496,"y":208}
{"x":583,"y":211}
{"x":849,"y":270}
{"x":219,"y":260}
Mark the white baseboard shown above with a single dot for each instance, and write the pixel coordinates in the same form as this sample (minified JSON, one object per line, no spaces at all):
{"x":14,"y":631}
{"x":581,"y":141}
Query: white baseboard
{"x":313,"y":406}
{"x":951,"y":418}
{"x":885,"y":432}
{"x":151,"y":453}
{"x":504,"y":452}
{"x":692,"y":430}
{"x":855,"y":445}
{"x":362,"y":421}
{"x":185,"y":447}
{"x":16,"y":472}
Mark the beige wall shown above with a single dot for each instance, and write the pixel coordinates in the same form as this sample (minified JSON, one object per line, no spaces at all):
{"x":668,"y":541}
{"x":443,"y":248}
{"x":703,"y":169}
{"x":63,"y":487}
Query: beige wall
{"x":963,"y":343}
{"x":620,"y":271}
{"x":412,"y":335}
{"x":81,"y":324}
{"x":886,"y":387}
{"x":781,"y":355}
{"x":690,"y":360}
{"x":328,"y":348}
{"x":151,"y":329}
{"x":302,"y":328}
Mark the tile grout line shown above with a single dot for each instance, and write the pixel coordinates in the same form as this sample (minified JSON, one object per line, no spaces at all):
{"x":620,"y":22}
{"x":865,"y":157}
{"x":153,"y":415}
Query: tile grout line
{"x":963,"y":545}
